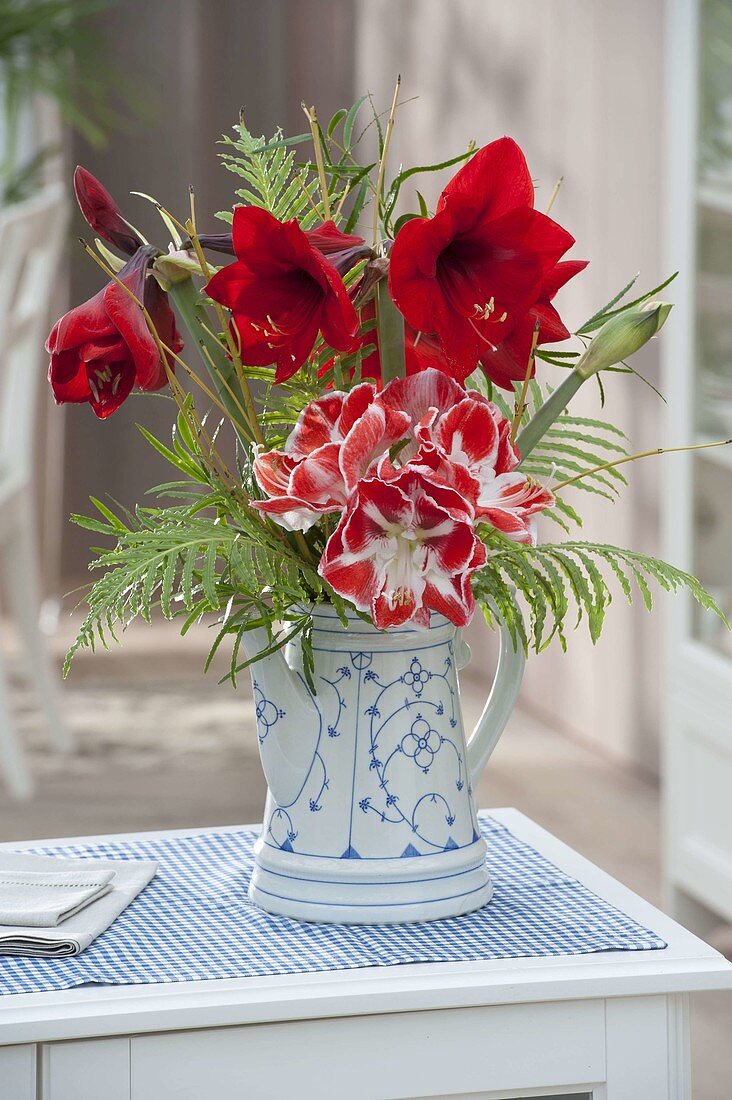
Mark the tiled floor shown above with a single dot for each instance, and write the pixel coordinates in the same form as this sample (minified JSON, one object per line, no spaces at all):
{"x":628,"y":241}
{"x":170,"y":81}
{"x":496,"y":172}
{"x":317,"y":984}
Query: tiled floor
{"x":159,"y":745}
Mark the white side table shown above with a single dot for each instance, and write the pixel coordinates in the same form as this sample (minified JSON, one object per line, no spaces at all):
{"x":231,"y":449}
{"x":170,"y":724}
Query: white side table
{"x":611,"y":1026}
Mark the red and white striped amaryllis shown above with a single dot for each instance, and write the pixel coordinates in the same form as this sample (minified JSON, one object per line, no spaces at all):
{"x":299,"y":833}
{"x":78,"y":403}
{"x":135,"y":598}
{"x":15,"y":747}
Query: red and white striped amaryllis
{"x":406,"y":542}
{"x":405,"y":547}
{"x":464,"y":441}
{"x":335,"y":441}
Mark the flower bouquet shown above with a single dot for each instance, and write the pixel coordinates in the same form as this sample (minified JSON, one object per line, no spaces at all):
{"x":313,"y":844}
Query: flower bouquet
{"x":362,"y":448}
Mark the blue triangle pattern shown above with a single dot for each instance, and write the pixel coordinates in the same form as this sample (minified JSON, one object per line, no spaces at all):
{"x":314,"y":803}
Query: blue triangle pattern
{"x":450,"y":844}
{"x":475,"y":836}
{"x":350,"y":853}
{"x":286,"y":847}
{"x":410,"y":850}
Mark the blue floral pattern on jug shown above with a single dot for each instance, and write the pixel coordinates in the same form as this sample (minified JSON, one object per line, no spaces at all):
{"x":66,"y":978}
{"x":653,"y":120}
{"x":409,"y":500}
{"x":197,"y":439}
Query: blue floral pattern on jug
{"x":391,"y":732}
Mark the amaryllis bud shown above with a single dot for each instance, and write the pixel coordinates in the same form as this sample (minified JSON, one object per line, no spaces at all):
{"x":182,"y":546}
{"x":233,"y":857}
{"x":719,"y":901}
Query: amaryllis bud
{"x":175,"y":266}
{"x":215,"y":242}
{"x":622,"y":336}
{"x":102,"y":213}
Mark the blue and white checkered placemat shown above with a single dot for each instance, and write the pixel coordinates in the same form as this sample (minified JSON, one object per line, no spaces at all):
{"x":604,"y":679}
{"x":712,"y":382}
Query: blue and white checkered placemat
{"x":194,"y":921}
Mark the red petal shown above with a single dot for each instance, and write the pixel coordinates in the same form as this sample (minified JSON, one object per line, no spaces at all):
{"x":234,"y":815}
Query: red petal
{"x":381,"y":508}
{"x":327,"y":238}
{"x":469,"y":429}
{"x":561,"y":275}
{"x":267,"y":245}
{"x":67,"y":375}
{"x":292,"y":513}
{"x":130,"y":323}
{"x":388,"y":613}
{"x":316,"y":425}
{"x":429,"y":389}
{"x":108,"y":394}
{"x":80,"y":325}
{"x":354,"y":406}
{"x":450,"y":599}
{"x":511,"y":525}
{"x":412,"y":270}
{"x":292,"y":355}
{"x":497,"y":177}
{"x":158,"y":306}
{"x":339,"y":320}
{"x":272,"y":471}
{"x":357,"y":580}
{"x":317,"y":479}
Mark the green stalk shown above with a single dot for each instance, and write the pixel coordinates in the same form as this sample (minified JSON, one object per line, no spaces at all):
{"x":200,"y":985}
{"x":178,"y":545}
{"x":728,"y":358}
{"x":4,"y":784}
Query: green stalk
{"x":550,"y":411}
{"x":187,"y":300}
{"x":390,"y":327}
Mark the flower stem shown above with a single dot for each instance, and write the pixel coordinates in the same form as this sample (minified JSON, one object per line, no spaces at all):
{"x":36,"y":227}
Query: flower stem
{"x":189,"y":306}
{"x":555,"y":192}
{"x":641,"y":454}
{"x":521,"y":403}
{"x":312,"y":117}
{"x":552,"y":408}
{"x":390,"y":328}
{"x":382,"y":163}
{"x":219,"y":357}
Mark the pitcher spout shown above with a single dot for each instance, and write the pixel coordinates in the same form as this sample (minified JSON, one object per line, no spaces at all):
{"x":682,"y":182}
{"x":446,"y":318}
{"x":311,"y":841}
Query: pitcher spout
{"x":288,"y":719}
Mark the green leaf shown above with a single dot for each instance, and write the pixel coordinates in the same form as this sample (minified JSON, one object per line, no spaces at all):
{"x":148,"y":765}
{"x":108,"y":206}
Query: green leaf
{"x":169,"y":225}
{"x":358,"y":205}
{"x":341,"y":114}
{"x":185,"y":465}
{"x":350,"y":120}
{"x":111,"y":518}
{"x":424,"y":210}
{"x":392,"y":194}
{"x":599,"y":319}
{"x":613,"y":301}
{"x":403,"y":221}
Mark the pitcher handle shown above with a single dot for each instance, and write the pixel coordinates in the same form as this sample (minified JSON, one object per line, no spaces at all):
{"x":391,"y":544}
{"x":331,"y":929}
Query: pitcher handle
{"x":499,"y":705}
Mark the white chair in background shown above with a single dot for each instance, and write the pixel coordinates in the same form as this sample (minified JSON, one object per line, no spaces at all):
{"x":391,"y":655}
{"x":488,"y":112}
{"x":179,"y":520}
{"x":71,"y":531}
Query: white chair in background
{"x":31,"y":238}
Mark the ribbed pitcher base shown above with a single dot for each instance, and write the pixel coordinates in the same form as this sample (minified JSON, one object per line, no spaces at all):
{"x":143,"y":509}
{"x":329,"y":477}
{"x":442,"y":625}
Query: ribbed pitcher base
{"x":370,"y":891}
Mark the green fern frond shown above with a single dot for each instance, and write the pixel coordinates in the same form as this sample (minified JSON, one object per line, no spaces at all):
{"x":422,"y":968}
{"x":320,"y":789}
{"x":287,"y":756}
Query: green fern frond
{"x":271,"y":178}
{"x":187,"y":564}
{"x":535,"y":589}
{"x":573,"y":445}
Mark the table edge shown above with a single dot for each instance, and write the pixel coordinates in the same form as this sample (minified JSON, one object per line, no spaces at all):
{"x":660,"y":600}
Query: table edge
{"x":687,"y":964}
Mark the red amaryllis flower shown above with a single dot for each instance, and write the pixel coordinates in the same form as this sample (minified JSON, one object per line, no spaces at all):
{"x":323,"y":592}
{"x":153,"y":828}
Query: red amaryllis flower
{"x":102,"y":213}
{"x":342,"y":249}
{"x":102,"y":350}
{"x":333,"y":444}
{"x":508,"y":362}
{"x":472,"y":271}
{"x":405,"y":547}
{"x":282,"y":291}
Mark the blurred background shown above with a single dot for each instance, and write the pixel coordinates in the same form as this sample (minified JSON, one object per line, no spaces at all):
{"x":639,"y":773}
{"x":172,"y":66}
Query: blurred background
{"x":623,"y":749}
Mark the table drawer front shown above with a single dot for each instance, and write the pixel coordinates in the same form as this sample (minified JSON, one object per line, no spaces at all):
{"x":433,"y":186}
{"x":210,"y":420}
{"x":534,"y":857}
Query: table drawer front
{"x":419,"y":1054}
{"x":90,"y":1069}
{"x":18,"y":1072}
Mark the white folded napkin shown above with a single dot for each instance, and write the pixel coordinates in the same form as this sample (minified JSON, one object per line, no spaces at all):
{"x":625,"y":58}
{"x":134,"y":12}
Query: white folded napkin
{"x":42,"y":899}
{"x":53,"y":907}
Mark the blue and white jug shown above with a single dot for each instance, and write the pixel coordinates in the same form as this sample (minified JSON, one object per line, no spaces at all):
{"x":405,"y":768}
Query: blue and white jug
{"x":370,"y":815}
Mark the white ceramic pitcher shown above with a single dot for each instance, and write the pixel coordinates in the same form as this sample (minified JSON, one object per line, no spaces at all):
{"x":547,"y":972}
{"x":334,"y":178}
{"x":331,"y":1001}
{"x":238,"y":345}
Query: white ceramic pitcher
{"x":370,"y":815}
